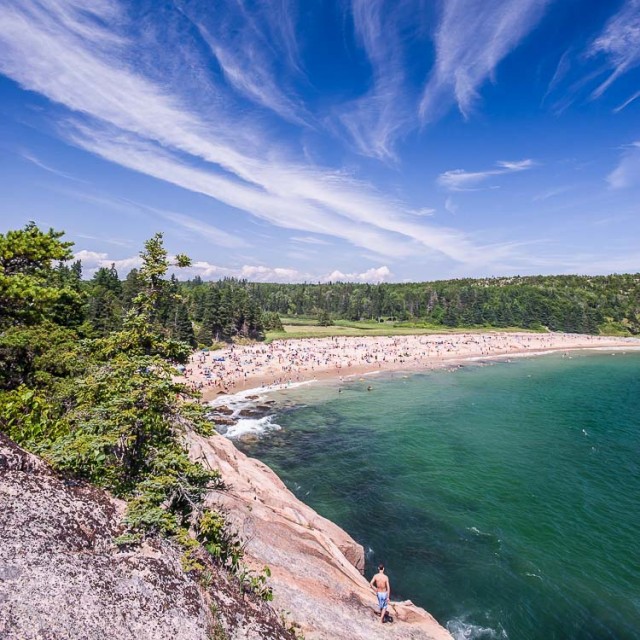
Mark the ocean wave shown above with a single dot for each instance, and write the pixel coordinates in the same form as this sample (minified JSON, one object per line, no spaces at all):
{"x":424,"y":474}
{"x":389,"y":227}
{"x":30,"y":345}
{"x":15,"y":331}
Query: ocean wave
{"x":252,"y":426}
{"x":247,"y":396}
{"x":462,"y":630}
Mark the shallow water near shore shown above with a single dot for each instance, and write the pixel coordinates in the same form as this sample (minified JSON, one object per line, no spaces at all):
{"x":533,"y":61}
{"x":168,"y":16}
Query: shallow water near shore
{"x":503,"y":498}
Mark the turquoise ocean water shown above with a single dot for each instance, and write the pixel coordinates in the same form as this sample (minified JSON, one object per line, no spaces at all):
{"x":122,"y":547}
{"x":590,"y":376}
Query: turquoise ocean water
{"x":503,"y":498}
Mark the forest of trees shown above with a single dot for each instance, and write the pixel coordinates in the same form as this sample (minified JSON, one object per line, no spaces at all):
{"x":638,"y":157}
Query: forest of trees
{"x":205,"y":312}
{"x":202,"y":313}
{"x":575,"y":304}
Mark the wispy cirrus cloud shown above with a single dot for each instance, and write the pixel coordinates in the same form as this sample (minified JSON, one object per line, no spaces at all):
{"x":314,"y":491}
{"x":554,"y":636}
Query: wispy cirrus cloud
{"x":78,"y":57}
{"x":472,"y":38}
{"x":30,"y":157}
{"x":193,"y":225}
{"x":309,"y":240}
{"x":627,"y":102}
{"x":375,"y":120}
{"x":619,"y":43}
{"x":256,"y":49}
{"x":461,"y":180}
{"x":627,"y":173}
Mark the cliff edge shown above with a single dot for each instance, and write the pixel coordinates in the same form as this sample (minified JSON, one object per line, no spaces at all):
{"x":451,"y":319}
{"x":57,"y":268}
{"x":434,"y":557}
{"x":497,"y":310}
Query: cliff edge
{"x":62,"y":577}
{"x":316,"y":567}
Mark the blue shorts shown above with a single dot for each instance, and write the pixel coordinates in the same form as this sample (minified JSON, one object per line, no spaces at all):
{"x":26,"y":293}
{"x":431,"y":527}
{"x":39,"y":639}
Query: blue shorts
{"x":383,"y":600}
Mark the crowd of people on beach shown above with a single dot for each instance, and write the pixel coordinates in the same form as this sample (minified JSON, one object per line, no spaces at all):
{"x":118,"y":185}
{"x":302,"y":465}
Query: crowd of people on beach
{"x":287,"y":361}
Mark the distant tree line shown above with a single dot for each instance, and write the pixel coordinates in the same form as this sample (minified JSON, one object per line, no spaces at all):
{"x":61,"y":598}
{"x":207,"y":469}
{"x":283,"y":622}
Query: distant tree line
{"x":575,"y":304}
{"x":201,"y":313}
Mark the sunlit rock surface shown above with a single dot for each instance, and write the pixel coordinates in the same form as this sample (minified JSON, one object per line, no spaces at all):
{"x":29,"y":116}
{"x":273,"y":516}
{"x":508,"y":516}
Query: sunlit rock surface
{"x":62,"y":578}
{"x":316,"y":566}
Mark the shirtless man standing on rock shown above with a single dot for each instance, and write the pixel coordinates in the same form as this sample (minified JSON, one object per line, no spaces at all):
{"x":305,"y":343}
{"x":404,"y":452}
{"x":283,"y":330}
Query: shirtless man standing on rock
{"x":380,"y":583}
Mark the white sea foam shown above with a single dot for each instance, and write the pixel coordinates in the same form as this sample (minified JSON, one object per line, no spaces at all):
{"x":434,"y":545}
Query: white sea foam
{"x":255,"y":426}
{"x":241,"y":399}
{"x":462,"y":630}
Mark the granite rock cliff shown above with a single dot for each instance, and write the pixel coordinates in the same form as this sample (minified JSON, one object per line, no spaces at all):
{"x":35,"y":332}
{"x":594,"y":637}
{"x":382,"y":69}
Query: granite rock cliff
{"x":62,"y":577}
{"x":316,"y":567}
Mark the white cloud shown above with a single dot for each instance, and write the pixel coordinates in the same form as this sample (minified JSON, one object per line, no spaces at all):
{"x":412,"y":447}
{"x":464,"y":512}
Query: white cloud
{"x":627,"y":173}
{"x":244,"y":48}
{"x":42,"y":165}
{"x":309,"y":240}
{"x":619,"y":43}
{"x":196,"y":227}
{"x":381,"y":274}
{"x":472,"y":38}
{"x":552,"y":193}
{"x":77,"y":58}
{"x":627,"y":102}
{"x":219,"y":237}
{"x":423,"y":212}
{"x":375,"y":120}
{"x":451,"y":206}
{"x":93,"y":260}
{"x":461,"y":180}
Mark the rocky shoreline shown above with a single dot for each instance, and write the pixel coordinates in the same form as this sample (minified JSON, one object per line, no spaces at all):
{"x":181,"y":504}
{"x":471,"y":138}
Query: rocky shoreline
{"x":316,"y":567}
{"x":62,"y":577}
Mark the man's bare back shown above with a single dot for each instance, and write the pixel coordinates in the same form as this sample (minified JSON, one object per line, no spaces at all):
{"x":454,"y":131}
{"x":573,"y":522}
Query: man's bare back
{"x":380,"y":584}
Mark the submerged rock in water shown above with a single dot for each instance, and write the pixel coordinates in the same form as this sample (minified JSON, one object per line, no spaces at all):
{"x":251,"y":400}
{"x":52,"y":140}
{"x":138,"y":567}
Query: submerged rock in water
{"x":62,"y":577}
{"x":223,"y":409}
{"x":223,"y":420}
{"x":251,"y":413}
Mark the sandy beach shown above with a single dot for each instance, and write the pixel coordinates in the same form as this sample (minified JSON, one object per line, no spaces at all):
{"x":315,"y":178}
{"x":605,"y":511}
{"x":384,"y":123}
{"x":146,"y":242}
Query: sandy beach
{"x":236,"y":368}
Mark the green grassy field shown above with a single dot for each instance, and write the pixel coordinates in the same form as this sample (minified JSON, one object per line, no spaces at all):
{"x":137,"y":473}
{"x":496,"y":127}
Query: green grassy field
{"x":297,"y":327}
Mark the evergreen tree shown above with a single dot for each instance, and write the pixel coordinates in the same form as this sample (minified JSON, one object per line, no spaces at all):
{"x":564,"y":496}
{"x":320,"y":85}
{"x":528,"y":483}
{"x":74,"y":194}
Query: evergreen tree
{"x":30,"y":289}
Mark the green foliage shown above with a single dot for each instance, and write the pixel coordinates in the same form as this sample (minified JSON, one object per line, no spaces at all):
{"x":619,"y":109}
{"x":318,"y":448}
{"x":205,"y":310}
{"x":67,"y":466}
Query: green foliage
{"x":271,"y":321}
{"x":224,"y":310}
{"x":40,"y":355}
{"x":324,"y":319}
{"x":128,"y":539}
{"x":256,"y":582}
{"x":226,"y":548}
{"x":105,"y":307}
{"x":102,"y":404}
{"x":558,"y":303}
{"x":191,"y":556}
{"x":104,"y":409}
{"x":222,"y":543}
{"x":27,"y":418}
{"x":30,"y":290}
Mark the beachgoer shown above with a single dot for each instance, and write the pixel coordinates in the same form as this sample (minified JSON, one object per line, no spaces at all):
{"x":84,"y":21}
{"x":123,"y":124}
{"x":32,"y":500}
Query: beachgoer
{"x":380,"y":584}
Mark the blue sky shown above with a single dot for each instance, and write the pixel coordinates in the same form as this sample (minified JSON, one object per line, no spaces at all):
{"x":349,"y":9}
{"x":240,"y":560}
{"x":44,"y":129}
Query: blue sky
{"x":318,"y":140}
